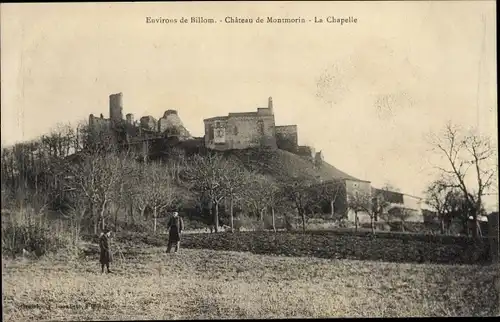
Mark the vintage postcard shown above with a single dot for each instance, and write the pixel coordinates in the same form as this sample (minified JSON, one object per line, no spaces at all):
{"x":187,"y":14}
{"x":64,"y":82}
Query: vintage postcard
{"x":214,"y":160}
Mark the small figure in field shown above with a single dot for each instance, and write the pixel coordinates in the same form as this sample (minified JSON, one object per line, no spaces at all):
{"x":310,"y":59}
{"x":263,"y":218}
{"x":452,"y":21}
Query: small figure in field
{"x":175,"y":227}
{"x":106,"y":256}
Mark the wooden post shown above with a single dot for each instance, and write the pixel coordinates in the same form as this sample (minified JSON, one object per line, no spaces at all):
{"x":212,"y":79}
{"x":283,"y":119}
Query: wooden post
{"x":493,"y":234}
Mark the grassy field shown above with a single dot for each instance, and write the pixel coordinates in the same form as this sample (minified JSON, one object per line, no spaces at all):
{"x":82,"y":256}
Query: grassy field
{"x":150,"y":284}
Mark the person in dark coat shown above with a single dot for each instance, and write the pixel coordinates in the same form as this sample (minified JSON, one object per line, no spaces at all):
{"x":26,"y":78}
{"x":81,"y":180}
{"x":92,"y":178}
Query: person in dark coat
{"x":106,"y":255}
{"x":175,"y":227}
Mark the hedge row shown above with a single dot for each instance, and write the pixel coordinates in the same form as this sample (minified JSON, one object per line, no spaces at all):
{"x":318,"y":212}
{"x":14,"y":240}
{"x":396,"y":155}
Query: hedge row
{"x":407,"y":248}
{"x":404,"y":236}
{"x":383,"y":246}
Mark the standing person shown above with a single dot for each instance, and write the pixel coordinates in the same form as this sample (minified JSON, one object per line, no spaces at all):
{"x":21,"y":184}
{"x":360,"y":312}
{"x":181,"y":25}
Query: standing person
{"x":106,"y":256}
{"x":175,"y":227}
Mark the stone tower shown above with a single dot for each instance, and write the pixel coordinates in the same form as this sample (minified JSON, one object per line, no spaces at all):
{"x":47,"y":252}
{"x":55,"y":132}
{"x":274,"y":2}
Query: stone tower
{"x":116,"y":108}
{"x":270,"y":105}
{"x":130,"y":118}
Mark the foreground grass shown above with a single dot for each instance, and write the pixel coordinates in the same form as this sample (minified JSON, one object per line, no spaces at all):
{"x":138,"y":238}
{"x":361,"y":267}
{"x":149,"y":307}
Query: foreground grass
{"x":210,"y":284}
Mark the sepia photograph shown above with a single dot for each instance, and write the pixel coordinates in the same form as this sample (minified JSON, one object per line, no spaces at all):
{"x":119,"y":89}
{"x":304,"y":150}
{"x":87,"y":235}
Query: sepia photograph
{"x":249,"y":160}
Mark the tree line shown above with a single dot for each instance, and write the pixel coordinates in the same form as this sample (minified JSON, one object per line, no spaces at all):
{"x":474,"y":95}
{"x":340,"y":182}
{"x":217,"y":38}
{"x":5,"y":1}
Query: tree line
{"x":85,"y":176}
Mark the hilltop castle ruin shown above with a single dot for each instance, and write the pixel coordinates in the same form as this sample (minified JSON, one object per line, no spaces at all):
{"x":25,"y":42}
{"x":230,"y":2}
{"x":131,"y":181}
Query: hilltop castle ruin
{"x":169,"y":123}
{"x":251,"y":130}
{"x":234,"y":131}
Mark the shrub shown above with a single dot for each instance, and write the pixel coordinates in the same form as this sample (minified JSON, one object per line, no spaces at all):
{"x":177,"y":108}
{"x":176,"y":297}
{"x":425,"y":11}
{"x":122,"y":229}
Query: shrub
{"x":192,"y":223}
{"x":243,"y":222}
{"x":138,"y":226}
{"x":279,"y":221}
{"x":34,"y":238}
{"x":344,"y":223}
{"x":321,"y":224}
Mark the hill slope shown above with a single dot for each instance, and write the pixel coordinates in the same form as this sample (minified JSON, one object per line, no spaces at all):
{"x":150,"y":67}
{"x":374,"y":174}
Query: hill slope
{"x":284,"y":163}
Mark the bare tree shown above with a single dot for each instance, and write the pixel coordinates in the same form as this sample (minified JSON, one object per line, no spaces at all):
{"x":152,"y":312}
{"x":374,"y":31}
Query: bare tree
{"x":236,"y":178}
{"x":374,"y":205}
{"x":78,"y":207}
{"x":390,"y":187}
{"x":130,"y":188}
{"x":358,"y":202}
{"x":125,"y":186}
{"x":445,"y":202}
{"x":273,"y":198}
{"x":331,"y":191}
{"x":96,"y":177}
{"x":139,"y":201}
{"x":60,"y":141}
{"x":462,"y":151}
{"x":254,"y":196}
{"x":208,"y":174}
{"x":400,"y":213}
{"x":298,"y":191}
{"x":176,"y":164}
{"x":159,"y":192}
{"x":379,"y":204}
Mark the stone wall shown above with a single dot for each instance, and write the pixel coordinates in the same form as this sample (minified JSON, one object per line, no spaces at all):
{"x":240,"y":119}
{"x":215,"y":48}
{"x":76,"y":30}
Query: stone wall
{"x":356,"y":186}
{"x":171,"y":122}
{"x":287,"y":137}
{"x":149,"y":123}
{"x":98,"y":124}
{"x":306,"y":151}
{"x":240,"y":132}
{"x":130,"y":118}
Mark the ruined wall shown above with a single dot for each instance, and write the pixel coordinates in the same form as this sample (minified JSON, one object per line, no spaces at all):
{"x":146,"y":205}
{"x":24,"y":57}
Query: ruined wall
{"x":287,"y":137}
{"x":130,"y":118}
{"x":171,"y":122}
{"x":116,"y":107}
{"x":98,"y":124}
{"x":306,"y":151}
{"x":149,"y":123}
{"x":170,"y":119}
{"x":319,"y":159}
{"x":100,"y":130}
{"x":240,"y":131}
{"x":244,"y":132}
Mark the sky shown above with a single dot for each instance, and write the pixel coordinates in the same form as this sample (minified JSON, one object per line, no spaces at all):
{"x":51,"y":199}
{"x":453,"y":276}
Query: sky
{"x":365,"y":94}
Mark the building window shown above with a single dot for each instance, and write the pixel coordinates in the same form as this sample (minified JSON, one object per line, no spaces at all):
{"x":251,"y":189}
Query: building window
{"x":210,"y":132}
{"x":235,"y":130}
{"x":217,"y":124}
